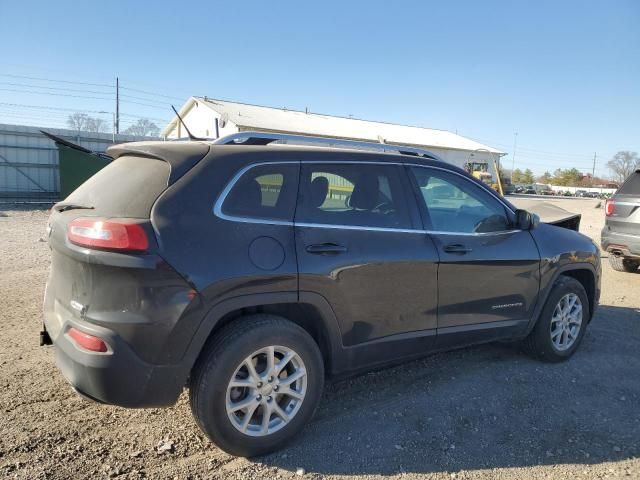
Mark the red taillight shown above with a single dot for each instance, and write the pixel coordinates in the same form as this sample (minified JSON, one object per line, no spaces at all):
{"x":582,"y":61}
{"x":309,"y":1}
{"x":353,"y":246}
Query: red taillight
{"x":609,"y":207}
{"x":110,"y":234}
{"x":86,"y":341}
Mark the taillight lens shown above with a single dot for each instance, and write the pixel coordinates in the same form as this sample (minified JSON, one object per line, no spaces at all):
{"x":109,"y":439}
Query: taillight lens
{"x":86,"y":341}
{"x":609,"y":207}
{"x":111,"y":234}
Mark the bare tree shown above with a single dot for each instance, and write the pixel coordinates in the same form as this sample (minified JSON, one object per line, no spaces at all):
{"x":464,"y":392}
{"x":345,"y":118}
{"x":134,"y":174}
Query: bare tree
{"x":78,"y":121}
{"x":96,"y":125}
{"x":82,"y":122}
{"x":623,"y":164}
{"x":143,"y":127}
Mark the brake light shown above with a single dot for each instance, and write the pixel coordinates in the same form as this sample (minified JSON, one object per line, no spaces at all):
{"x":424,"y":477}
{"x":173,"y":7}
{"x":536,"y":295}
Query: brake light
{"x":609,"y":207}
{"x":86,"y":341}
{"x":110,"y":234}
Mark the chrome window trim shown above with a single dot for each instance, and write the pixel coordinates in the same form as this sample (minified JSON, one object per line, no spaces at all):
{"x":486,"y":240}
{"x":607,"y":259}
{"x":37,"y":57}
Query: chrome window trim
{"x":357,"y":227}
{"x":217,"y":208}
{"x":400,"y":230}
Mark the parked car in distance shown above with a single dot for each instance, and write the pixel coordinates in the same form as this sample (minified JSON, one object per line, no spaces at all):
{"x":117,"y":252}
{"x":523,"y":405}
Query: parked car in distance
{"x":529,"y":190}
{"x":621,"y":233}
{"x":543,"y":189}
{"x":508,"y":189}
{"x":249,"y":272}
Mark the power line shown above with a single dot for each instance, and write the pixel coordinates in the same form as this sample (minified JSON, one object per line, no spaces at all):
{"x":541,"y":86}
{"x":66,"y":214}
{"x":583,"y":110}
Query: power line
{"x":43,"y":107}
{"x":57,"y":81}
{"x":54,"y":94}
{"x":151,"y":93}
{"x":144,"y":104}
{"x":529,"y":149}
{"x":22,"y":85}
{"x":145,"y":85}
{"x":21,"y":106}
{"x":155,"y":102}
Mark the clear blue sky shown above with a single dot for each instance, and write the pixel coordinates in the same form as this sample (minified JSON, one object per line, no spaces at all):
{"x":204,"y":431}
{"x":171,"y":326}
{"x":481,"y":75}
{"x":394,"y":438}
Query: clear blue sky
{"x":565,"y":75}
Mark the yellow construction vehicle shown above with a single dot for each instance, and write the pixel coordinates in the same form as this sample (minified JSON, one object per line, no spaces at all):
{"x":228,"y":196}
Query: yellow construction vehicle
{"x":480,"y":170}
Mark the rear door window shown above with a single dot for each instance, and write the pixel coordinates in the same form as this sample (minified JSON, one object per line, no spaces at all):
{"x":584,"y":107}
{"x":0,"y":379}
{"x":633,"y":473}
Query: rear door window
{"x":127,"y":187}
{"x":264,"y":192}
{"x":353,"y":195}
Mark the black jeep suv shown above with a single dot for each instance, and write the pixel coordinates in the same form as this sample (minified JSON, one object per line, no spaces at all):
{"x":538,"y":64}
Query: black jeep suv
{"x":250,"y":272}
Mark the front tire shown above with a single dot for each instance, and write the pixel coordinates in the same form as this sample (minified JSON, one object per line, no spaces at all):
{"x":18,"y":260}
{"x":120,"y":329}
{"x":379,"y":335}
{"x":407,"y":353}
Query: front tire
{"x":562,"y":323}
{"x":621,"y":264}
{"x":257,"y":383}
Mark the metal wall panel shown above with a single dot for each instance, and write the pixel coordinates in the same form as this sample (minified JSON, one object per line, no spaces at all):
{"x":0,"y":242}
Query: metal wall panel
{"x":29,"y":168}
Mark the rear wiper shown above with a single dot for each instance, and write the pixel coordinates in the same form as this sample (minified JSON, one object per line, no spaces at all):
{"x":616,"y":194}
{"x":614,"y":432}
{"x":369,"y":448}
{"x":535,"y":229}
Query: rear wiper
{"x":63,"y":207}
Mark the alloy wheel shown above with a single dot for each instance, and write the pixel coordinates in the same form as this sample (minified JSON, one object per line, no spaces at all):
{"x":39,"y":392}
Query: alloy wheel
{"x":266,"y":391}
{"x":566,"y":322}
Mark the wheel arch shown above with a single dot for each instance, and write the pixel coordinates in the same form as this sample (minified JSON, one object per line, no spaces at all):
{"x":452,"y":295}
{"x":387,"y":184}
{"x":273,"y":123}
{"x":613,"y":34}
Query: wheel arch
{"x":587,"y":278}
{"x":310,"y":311}
{"x":585,"y":273}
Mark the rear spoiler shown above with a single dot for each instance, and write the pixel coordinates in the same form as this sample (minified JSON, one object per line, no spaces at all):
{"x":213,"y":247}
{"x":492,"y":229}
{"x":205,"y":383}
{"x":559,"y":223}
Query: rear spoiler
{"x":182,"y":157}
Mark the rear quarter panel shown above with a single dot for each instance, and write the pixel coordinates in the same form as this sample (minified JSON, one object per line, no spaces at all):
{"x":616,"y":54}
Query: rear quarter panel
{"x":210,"y":252}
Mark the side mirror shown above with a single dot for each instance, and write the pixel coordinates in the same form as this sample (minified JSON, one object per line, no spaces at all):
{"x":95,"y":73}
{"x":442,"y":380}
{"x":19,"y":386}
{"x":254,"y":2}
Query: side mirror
{"x":535,"y":221}
{"x":526,"y":220}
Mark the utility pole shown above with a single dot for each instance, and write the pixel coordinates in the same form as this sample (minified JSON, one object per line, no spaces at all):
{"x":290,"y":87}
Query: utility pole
{"x":117,"y":121}
{"x":593,"y":172}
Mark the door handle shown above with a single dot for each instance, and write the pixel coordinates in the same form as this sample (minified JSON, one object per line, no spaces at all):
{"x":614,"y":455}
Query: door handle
{"x":457,"y":248}
{"x":326,"y":249}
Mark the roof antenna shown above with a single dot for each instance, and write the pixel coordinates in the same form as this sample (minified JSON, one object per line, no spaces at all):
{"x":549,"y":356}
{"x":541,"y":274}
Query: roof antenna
{"x":191,"y":137}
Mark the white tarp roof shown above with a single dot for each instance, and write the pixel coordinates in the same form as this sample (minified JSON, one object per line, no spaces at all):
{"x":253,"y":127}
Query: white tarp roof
{"x":290,"y":121}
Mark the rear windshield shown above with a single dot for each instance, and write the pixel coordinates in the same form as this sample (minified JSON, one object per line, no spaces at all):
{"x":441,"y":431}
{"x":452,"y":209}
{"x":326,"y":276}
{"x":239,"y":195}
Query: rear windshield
{"x":631,"y":186}
{"x":127,"y":187}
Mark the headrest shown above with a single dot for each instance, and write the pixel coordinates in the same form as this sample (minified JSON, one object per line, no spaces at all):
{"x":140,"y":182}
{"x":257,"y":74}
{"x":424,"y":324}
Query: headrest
{"x":365,"y":193}
{"x":319,"y":190}
{"x":253,"y":195}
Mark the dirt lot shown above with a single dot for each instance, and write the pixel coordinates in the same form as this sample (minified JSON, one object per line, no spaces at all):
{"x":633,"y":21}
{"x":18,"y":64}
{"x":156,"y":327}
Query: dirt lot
{"x":482,"y":412}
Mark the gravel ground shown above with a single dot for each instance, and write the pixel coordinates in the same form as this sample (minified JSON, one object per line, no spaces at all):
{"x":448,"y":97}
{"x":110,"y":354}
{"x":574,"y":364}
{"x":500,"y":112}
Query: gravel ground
{"x":481,"y":412}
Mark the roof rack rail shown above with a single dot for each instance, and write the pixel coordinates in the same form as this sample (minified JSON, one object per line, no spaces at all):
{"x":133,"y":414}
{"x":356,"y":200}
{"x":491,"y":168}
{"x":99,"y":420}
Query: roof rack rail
{"x":265,"y":138}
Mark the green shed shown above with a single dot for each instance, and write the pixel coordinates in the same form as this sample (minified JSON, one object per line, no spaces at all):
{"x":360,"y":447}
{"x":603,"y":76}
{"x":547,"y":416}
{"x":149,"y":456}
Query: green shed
{"x":76,"y":167}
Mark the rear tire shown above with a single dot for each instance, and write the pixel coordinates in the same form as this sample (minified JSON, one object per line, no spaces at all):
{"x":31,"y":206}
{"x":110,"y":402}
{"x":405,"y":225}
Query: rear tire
{"x":257,"y":383}
{"x":621,"y":264}
{"x":562,"y":322}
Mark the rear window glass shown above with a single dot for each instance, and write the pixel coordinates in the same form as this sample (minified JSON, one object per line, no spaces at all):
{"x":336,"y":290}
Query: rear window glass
{"x":632,"y":185}
{"x":127,"y":187}
{"x":264,"y":192}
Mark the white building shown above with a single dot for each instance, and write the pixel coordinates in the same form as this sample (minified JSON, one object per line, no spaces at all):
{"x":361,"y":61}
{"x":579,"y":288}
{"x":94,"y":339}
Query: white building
{"x":207,"y":117}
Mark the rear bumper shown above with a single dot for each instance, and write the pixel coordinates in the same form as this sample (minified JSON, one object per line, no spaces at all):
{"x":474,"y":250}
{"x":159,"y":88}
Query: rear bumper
{"x":621,"y":243}
{"x":117,"y":377}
